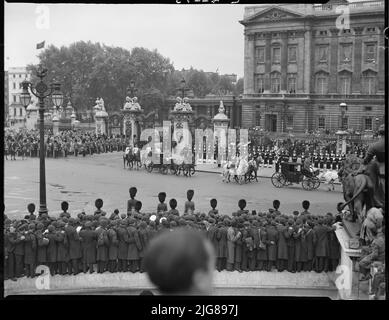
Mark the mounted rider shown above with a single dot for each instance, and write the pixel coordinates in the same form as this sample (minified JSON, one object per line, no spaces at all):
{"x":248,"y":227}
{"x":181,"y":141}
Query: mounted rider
{"x":376,"y":149}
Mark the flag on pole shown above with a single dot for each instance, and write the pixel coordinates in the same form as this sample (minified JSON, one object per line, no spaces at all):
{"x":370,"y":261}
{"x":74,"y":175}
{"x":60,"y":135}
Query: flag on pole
{"x":40,"y":45}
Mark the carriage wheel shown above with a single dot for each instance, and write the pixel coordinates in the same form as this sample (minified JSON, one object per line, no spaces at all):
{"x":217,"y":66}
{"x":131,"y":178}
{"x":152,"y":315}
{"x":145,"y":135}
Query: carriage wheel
{"x":316,"y":182}
{"x":173,"y":169}
{"x":192,"y":170}
{"x":178,"y":170}
{"x":308,"y":184}
{"x":164,"y":169}
{"x":278,"y":180}
{"x":139,"y":164}
{"x":185,"y":171}
{"x":149,"y":168}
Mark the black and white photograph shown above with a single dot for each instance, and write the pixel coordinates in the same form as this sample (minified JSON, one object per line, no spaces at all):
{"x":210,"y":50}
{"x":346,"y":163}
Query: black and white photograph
{"x":195,"y":148}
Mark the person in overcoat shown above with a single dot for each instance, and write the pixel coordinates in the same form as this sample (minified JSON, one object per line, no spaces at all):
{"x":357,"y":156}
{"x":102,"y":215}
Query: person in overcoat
{"x":42,"y":243}
{"x":321,"y":247}
{"x":151,"y":230}
{"x":122,"y":235}
{"x":88,"y":238}
{"x":300,"y":246}
{"x":272,"y":241}
{"x":113,"y":246}
{"x":134,"y":246}
{"x":262,"y":246}
{"x":231,"y":240}
{"x":290,"y":242}
{"x":144,"y":240}
{"x":221,"y":236}
{"x":62,"y":249}
{"x":334,"y":249}
{"x":310,"y":241}
{"x":74,"y":241}
{"x":211,"y":233}
{"x":102,"y":246}
{"x":51,"y":252}
{"x":282,"y":248}
{"x":30,"y":248}
{"x":238,"y":247}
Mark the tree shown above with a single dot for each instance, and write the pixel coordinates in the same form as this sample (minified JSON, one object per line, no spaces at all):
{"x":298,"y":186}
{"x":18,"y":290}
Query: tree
{"x":239,"y":87}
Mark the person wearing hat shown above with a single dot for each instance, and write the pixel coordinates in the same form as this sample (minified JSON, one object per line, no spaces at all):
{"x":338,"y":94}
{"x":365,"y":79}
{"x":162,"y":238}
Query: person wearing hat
{"x":290,"y":242}
{"x":113,"y":247}
{"x":10,"y":241}
{"x":211,"y":233}
{"x":333,"y":247}
{"x":213,"y":211}
{"x":51,"y":252}
{"x":134,"y":246}
{"x":123,"y":241}
{"x":99,"y":204}
{"x":189,"y":204}
{"x":88,"y":238}
{"x":231,"y":240}
{"x":151,"y":228}
{"x":42,"y":243}
{"x":162,"y":207}
{"x":74,"y":241}
{"x":30,"y":251}
{"x":144,"y":241}
{"x":19,"y":249}
{"x":247,"y":247}
{"x":221,"y":253}
{"x":272,"y":240}
{"x":321,"y":246}
{"x":310,"y":239}
{"x":62,"y":249}
{"x":242,"y":205}
{"x":65,"y":208}
{"x":115,"y":215}
{"x":262,"y":243}
{"x":132,"y":201}
{"x":173,"y":206}
{"x":31,"y":210}
{"x":102,"y":245}
{"x":276,"y":206}
{"x":282,"y":248}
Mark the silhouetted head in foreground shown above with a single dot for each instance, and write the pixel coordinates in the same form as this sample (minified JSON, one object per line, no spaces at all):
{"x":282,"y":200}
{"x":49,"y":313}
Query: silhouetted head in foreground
{"x":181,"y":262}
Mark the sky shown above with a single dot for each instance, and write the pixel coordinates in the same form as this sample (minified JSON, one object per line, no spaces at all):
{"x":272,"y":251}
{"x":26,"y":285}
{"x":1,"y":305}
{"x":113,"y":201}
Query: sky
{"x":206,"y":37}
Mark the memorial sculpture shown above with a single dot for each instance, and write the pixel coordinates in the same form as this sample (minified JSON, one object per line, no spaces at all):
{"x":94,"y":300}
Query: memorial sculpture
{"x":182,"y":105}
{"x":132,"y":104}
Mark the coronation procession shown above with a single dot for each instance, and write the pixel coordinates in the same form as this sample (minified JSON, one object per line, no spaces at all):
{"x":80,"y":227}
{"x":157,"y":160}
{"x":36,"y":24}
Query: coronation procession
{"x":266,"y":179}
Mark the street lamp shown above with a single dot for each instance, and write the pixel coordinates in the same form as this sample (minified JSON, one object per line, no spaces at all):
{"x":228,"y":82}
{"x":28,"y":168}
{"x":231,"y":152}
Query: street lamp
{"x":41,"y":91}
{"x":131,"y":89}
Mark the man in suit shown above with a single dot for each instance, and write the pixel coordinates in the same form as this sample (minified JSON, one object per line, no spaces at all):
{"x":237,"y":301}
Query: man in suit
{"x":321,"y":246}
{"x":74,"y":240}
{"x":282,"y":248}
{"x":272,"y":240}
{"x":123,"y":240}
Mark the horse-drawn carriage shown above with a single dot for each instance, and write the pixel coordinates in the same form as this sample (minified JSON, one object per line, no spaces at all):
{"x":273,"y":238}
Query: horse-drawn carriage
{"x":242,"y":171}
{"x":132,"y":158}
{"x":187,"y":169}
{"x":291,"y":172}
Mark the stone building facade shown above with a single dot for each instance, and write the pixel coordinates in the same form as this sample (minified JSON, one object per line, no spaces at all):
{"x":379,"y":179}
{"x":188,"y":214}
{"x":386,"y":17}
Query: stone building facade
{"x":301,"y":62}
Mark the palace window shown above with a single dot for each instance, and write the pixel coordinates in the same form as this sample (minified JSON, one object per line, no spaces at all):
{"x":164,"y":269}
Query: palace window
{"x":276,"y":55}
{"x":292,"y":83}
{"x":368,"y":108}
{"x":14,"y":112}
{"x":346,"y":53}
{"x":344,"y":123}
{"x":322,"y":83}
{"x":292,"y":54}
{"x":20,"y":111}
{"x":323,"y":32}
{"x":14,"y":98}
{"x":289,"y":121}
{"x":260,"y":54}
{"x":323,"y":53}
{"x":258,"y":117}
{"x":14,"y":85}
{"x":322,"y":122}
{"x":370,"y":52}
{"x":275,"y":82}
{"x":368,"y":124}
{"x":369,"y":82}
{"x":346,"y":31}
{"x":371,"y":29}
{"x":259,"y":84}
{"x":321,"y":108}
{"x":345,"y":83}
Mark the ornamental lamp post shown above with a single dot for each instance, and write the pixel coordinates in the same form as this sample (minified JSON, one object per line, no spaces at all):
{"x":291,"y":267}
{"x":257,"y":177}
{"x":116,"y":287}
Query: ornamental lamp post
{"x":183,"y":88}
{"x":41,"y":91}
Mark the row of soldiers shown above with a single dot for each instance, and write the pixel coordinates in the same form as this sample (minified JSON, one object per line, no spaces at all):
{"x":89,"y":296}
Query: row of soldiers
{"x":26,"y":144}
{"x":243,"y":242}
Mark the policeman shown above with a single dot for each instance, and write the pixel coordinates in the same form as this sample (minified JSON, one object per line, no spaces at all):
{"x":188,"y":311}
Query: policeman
{"x":329,"y":161}
{"x":321,"y":161}
{"x":315,"y":160}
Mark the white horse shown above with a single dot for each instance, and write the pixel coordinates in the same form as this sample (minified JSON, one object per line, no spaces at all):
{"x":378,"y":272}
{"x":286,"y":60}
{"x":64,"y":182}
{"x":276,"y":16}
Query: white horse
{"x":329,"y":177}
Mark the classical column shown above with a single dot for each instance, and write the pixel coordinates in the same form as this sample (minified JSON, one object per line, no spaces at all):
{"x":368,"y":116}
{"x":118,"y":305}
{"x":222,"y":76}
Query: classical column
{"x":356,"y":78}
{"x":307,"y":59}
{"x":381,"y":60}
{"x":333,"y":61}
{"x":267,"y":61}
{"x":249,"y":66}
{"x":284,"y":60}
